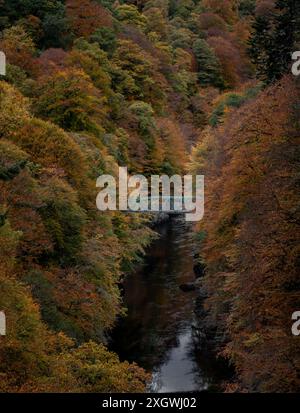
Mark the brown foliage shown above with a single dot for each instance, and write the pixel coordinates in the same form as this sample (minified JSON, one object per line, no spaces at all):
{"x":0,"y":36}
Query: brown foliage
{"x":252,"y":246}
{"x":86,"y":16}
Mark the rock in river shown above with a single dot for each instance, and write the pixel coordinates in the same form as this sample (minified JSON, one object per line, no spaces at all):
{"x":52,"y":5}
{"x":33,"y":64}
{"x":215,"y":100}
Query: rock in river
{"x":187,"y":287}
{"x":199,"y":269}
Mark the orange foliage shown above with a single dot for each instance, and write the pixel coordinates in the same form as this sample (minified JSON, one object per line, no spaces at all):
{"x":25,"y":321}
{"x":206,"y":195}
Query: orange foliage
{"x":226,"y":9}
{"x":252,"y":245}
{"x":229,"y":57}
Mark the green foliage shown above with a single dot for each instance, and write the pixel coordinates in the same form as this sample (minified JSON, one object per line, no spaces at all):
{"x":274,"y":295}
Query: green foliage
{"x":183,"y":8}
{"x":156,"y":22}
{"x":13,"y":110}
{"x":56,"y":235}
{"x":143,"y":112}
{"x":17,"y":33}
{"x":63,"y":218}
{"x":106,"y":38}
{"x":246,"y":7}
{"x":181,"y":38}
{"x":209,"y":67}
{"x":118,"y":146}
{"x":49,"y":145}
{"x":51,"y":19}
{"x":15,"y":75}
{"x":138,"y":77}
{"x":56,"y":30}
{"x":231,"y":100}
{"x":91,"y":368}
{"x":129,"y":14}
{"x":260,"y":44}
{"x":217,"y":114}
{"x":14,"y":9}
{"x":12,"y":160}
{"x":69,"y":100}
{"x":94,"y":62}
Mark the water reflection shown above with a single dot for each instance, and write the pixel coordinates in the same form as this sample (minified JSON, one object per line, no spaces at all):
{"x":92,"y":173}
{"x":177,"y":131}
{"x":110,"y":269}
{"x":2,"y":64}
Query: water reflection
{"x":180,"y":371}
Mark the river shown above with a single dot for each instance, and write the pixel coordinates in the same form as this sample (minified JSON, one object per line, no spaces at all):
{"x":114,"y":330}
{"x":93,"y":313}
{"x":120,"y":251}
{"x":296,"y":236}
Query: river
{"x":158,"y":331}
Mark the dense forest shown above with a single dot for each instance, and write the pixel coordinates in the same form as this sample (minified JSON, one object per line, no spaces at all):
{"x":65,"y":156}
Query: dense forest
{"x":162,"y":87}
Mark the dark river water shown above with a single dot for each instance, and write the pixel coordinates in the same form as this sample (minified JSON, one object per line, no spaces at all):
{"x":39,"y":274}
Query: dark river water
{"x":158,"y":331}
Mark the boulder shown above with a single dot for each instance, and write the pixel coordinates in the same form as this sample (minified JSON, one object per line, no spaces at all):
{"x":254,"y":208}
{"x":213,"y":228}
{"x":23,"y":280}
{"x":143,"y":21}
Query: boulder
{"x":199,"y":269}
{"x":187,"y":287}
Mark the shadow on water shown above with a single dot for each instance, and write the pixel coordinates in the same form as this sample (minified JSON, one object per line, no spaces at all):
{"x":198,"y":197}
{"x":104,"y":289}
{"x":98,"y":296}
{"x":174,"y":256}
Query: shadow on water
{"x":157,"y":332}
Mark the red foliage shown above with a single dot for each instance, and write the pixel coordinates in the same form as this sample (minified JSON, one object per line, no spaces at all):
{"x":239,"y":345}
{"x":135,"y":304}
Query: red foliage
{"x":86,"y":16}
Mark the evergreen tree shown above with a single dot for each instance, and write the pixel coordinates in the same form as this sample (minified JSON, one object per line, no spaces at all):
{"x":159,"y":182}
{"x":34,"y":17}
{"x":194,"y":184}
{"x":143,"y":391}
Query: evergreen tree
{"x":274,"y":39}
{"x":260,"y":44}
{"x":209,"y":67}
{"x":286,"y":33}
{"x":246,"y":8}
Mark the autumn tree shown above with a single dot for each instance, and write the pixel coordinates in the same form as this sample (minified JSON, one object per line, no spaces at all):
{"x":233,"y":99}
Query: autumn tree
{"x":226,"y":9}
{"x":209,"y":68}
{"x":69,"y":99}
{"x":87,"y":16}
{"x":19,"y":48}
{"x":250,"y":216}
{"x":95,"y":84}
